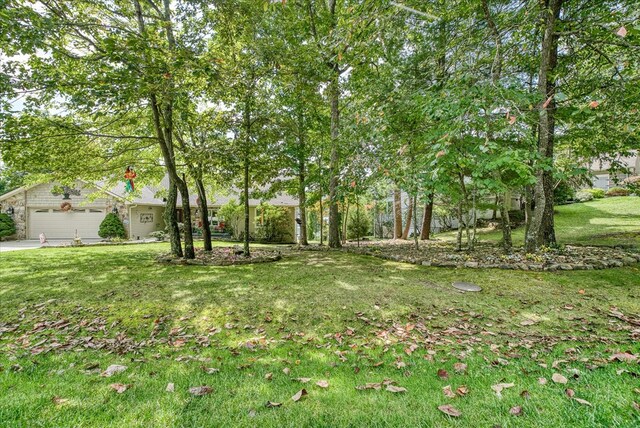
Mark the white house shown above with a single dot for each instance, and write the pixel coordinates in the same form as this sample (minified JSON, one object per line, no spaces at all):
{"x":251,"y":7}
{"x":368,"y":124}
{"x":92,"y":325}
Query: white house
{"x":604,"y":179}
{"x":66,"y":212}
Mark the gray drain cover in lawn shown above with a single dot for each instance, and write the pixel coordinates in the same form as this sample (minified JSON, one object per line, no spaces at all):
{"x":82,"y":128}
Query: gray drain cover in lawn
{"x":466,"y":286}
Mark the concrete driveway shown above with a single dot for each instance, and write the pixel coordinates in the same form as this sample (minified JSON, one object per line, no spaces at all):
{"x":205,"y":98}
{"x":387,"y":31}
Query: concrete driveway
{"x":31,"y":244}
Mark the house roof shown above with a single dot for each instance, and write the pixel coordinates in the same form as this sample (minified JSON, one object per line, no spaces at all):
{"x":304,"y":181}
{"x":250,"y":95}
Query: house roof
{"x":148,"y":195}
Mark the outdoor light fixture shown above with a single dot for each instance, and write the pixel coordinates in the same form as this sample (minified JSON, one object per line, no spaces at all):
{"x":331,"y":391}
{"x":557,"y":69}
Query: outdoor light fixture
{"x":10,"y":211}
{"x":115,"y":210}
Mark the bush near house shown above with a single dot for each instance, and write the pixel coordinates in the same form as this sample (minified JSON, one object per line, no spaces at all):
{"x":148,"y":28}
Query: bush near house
{"x":563,"y":192}
{"x":618,"y":191}
{"x":274,"y":224}
{"x":112,"y":227}
{"x":597,"y":193}
{"x":584,"y":196}
{"x":7,"y":225}
{"x":233,"y":214}
{"x":633,"y":184}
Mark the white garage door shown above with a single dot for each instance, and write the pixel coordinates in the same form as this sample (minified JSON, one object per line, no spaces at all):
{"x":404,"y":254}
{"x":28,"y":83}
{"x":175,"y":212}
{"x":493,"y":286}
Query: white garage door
{"x":58,"y":224}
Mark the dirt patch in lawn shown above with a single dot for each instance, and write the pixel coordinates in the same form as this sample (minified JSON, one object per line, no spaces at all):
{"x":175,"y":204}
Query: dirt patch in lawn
{"x":224,"y":256}
{"x":444,"y":254}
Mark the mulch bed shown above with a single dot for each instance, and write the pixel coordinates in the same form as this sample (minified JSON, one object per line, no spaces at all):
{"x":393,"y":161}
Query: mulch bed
{"x":444,"y":254}
{"x":224,"y":256}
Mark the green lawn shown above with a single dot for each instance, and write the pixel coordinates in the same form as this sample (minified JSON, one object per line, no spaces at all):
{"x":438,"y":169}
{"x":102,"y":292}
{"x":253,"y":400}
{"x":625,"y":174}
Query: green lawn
{"x":67,"y":314}
{"x":608,"y":221}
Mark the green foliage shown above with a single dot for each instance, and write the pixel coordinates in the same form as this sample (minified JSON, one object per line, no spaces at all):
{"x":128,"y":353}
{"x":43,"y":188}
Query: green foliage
{"x":618,"y":191}
{"x":160,"y":235}
{"x":584,"y":196}
{"x":563,"y":192}
{"x":232,"y":213}
{"x":7,"y":225}
{"x":112,"y":227}
{"x":597,"y":193}
{"x":633,"y":184}
{"x":275,"y":224}
{"x":359,"y":224}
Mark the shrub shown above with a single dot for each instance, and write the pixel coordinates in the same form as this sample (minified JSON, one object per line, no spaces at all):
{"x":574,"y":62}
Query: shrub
{"x":233,"y":215}
{"x":111,"y":227}
{"x":618,"y":191}
{"x":7,"y":225}
{"x":358,"y":225}
{"x":563,"y":193}
{"x":158,"y":234}
{"x":597,"y":193}
{"x":276,"y":224}
{"x":633,"y":184}
{"x":583,"y":196}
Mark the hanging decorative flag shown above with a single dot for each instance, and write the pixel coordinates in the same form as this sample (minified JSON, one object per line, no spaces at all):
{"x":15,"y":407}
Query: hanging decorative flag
{"x":129,"y":175}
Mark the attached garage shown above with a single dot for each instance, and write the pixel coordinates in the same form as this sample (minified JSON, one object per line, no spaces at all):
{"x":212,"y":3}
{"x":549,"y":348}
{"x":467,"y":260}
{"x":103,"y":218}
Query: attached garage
{"x":58,"y":224}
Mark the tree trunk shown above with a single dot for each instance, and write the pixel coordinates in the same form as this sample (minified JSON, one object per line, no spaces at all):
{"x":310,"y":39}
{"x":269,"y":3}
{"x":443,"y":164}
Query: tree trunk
{"x":171,"y":219}
{"x":407,"y":226}
{"x":415,"y":220}
{"x":302,"y":195}
{"x":344,"y":222}
{"x":507,"y":242}
{"x":334,"y":224}
{"x":321,"y":221}
{"x":397,"y":213}
{"x":425,"y":233}
{"x":189,"y":250}
{"x":245,"y":187}
{"x":204,"y":214}
{"x":541,"y":230}
{"x":460,"y":223}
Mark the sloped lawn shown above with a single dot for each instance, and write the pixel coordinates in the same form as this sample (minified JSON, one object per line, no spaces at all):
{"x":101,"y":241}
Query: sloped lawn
{"x":249,"y":332}
{"x":607,"y":221}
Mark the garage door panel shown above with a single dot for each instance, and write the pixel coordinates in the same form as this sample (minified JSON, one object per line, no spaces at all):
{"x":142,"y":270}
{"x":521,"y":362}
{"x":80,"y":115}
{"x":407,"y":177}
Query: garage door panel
{"x":57,"y":224}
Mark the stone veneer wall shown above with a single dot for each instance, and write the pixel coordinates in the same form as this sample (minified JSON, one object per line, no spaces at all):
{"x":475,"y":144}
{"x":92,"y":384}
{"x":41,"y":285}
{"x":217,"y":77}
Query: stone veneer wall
{"x":18,"y":203}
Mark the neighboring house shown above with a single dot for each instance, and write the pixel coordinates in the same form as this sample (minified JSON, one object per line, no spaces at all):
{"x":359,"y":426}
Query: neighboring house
{"x":604,"y":179}
{"x":40,"y":209}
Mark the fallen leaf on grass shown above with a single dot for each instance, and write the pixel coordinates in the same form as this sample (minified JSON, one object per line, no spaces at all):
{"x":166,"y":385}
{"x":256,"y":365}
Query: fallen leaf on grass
{"x":268,"y":376}
{"x":58,"y":401}
{"x":528,"y":322}
{"x":525,"y":394}
{"x":636,"y":406}
{"x":201,"y":390}
{"x":393,"y":388}
{"x":303,"y":379}
{"x":581,"y":401}
{"x":448,"y":409}
{"x":323,"y":383}
{"x":286,"y":370}
{"x":113,"y":369}
{"x":570,"y":392}
{"x":542,"y":381}
{"x":210,"y":370}
{"x":170,"y":387}
{"x":516,"y":411}
{"x":623,"y":357}
{"x":558,"y":378}
{"x":462,"y":390}
{"x":460,"y":367}
{"x":448,"y":392}
{"x":500,"y":386}
{"x":272,"y":404}
{"x":119,"y":387}
{"x":443,"y":374}
{"x":299,"y":395}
